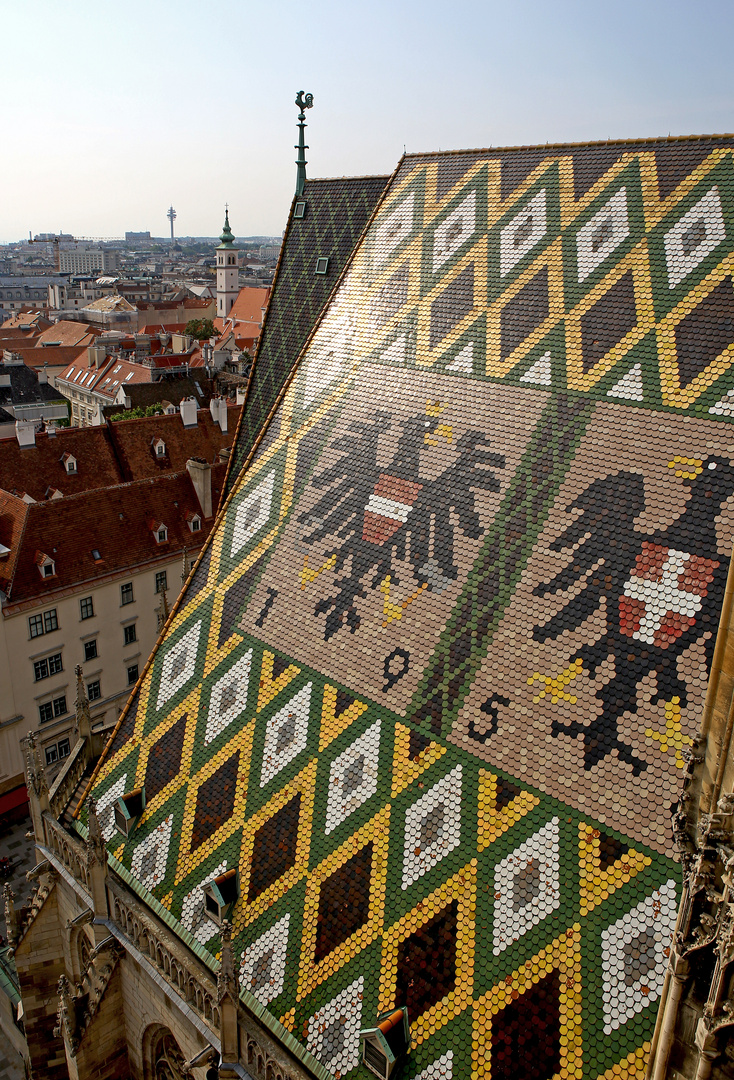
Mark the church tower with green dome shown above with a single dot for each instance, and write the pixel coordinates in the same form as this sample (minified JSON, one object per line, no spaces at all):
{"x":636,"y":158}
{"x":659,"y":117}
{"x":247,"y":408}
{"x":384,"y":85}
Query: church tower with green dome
{"x":227,"y":275}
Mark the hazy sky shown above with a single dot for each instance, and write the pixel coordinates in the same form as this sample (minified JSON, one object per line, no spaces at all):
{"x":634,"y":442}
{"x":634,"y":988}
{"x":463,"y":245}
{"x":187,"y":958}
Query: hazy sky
{"x":110,"y":112}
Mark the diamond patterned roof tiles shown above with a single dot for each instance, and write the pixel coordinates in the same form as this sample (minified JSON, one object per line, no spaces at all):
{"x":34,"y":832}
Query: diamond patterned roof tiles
{"x":451,"y":632}
{"x":334,"y":215}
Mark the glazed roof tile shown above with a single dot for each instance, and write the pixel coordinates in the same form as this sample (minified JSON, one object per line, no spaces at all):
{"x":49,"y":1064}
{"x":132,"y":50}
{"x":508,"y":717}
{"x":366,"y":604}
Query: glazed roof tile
{"x":441,"y":664}
{"x":335,"y":215}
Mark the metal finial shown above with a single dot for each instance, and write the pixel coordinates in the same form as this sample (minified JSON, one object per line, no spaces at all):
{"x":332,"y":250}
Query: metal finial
{"x":303,"y":101}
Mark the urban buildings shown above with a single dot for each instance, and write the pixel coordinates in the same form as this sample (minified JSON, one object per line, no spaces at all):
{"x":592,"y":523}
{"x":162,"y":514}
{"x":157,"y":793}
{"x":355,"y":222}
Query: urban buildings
{"x":88,"y":261}
{"x":95,"y":528}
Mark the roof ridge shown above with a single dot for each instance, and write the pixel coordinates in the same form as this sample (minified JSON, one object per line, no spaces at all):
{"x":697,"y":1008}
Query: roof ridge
{"x":569,"y":145}
{"x":364,"y":176}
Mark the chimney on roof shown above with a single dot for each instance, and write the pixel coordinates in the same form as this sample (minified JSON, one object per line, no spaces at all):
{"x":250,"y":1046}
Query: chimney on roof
{"x":188,"y":409}
{"x":201,"y":477}
{"x":214,"y":407}
{"x":96,"y":355}
{"x":25,"y":432}
{"x":223,"y":414}
{"x":241,"y":391}
{"x":43,"y":374}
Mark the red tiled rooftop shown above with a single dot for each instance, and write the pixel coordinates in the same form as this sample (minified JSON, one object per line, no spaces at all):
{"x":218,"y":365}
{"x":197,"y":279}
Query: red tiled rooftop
{"x":134,"y":442}
{"x":112,"y":520}
{"x":33,"y":469}
{"x":68,"y":332}
{"x":247,"y":309}
{"x":36,"y":357}
{"x":109,"y":378}
{"x":13,"y":512}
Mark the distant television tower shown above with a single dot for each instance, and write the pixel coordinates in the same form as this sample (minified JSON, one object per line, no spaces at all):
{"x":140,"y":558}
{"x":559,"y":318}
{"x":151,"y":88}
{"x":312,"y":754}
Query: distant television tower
{"x":171,"y":215}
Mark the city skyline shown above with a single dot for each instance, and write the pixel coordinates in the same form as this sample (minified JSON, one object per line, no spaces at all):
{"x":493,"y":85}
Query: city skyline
{"x":107,"y":149}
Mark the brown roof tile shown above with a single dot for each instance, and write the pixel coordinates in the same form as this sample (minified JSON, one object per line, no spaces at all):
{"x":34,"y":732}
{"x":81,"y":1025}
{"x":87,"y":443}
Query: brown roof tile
{"x":33,"y":469}
{"x":36,"y":357}
{"x":13,"y":512}
{"x":112,"y":520}
{"x":68,"y":332}
{"x":134,"y":439}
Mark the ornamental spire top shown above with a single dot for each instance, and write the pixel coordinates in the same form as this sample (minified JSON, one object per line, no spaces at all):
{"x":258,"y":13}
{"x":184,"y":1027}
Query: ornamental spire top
{"x":226,"y":239}
{"x":303,"y":101}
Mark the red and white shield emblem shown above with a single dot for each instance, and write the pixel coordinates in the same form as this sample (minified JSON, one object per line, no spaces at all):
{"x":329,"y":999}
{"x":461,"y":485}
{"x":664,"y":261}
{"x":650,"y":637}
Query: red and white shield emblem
{"x":663,"y":594}
{"x":388,"y":508}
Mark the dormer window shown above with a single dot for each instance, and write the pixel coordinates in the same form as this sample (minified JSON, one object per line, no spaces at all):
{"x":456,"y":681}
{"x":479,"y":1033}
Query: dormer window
{"x":161,"y":534}
{"x":195,"y":523}
{"x":385,"y":1046}
{"x":69,"y":463}
{"x":128,"y":810}
{"x":45,"y":564}
{"x":220,"y":895}
{"x":159,"y":448}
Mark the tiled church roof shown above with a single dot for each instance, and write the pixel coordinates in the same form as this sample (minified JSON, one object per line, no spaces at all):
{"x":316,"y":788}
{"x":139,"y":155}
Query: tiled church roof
{"x":334,"y":215}
{"x":432,"y":685}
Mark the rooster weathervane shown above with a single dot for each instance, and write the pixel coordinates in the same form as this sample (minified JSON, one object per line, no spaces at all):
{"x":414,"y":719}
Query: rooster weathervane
{"x":303,"y":101}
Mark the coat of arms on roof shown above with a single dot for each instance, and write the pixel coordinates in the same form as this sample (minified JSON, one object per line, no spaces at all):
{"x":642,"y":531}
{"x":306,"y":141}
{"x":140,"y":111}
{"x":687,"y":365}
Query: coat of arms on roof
{"x":661,"y":591}
{"x":384,"y":515}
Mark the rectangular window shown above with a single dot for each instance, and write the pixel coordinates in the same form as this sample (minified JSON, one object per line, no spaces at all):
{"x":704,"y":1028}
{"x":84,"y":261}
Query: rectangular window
{"x":94,"y":691}
{"x":90,"y":649}
{"x":64,"y":748}
{"x":130,"y":634}
{"x":132,"y":674}
{"x":126,"y":593}
{"x":46,"y":711}
{"x":52,"y":754}
{"x":50,"y":665}
{"x":86,"y":607}
{"x":59,"y":704}
{"x":43,"y":624}
{"x":161,"y":581}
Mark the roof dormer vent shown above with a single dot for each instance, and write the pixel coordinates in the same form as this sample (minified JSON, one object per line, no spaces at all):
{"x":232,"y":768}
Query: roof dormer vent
{"x":46,"y":565}
{"x":220,"y":896}
{"x":129,"y":810}
{"x":385,"y":1046}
